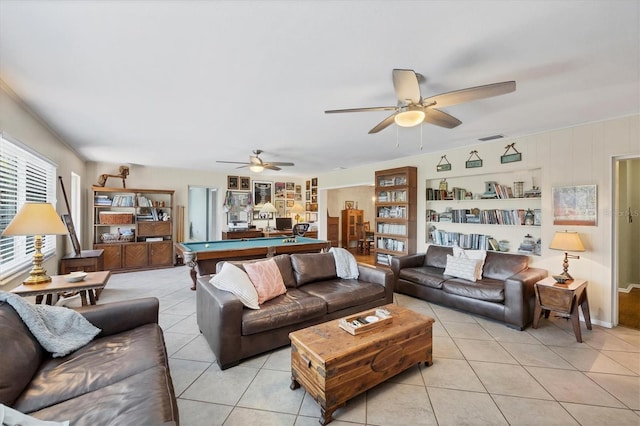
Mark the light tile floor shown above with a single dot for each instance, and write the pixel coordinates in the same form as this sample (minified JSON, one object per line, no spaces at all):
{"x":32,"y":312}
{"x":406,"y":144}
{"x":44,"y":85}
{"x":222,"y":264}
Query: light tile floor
{"x":483,"y":372}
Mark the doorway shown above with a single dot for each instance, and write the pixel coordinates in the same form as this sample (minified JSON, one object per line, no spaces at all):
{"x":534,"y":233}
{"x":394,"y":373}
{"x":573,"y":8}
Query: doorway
{"x":627,"y":240}
{"x":202,"y":213}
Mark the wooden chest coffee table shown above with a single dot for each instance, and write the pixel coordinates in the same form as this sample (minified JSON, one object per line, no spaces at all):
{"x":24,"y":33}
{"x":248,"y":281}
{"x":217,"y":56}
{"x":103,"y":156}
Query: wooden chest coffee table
{"x":334,"y":366}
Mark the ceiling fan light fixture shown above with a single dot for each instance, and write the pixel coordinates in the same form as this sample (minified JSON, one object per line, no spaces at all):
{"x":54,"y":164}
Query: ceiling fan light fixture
{"x":411,"y":116}
{"x":256,"y":168}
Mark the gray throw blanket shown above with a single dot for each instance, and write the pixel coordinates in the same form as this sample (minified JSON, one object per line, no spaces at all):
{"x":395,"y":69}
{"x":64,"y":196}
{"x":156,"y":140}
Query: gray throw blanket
{"x":59,"y":330}
{"x":346,"y":265}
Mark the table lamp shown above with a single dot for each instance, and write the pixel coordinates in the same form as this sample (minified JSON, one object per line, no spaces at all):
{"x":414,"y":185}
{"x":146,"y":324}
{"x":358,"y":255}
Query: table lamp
{"x":297,"y":209}
{"x":36,"y":219}
{"x":268,"y":208}
{"x":567,"y":241}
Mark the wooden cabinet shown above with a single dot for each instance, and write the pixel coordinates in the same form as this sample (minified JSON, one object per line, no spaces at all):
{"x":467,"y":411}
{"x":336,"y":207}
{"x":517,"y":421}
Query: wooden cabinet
{"x":333,"y":230}
{"x":483,"y":210}
{"x":396,"y":213}
{"x":350,"y":218}
{"x":134,"y":227}
{"x":87,"y":261}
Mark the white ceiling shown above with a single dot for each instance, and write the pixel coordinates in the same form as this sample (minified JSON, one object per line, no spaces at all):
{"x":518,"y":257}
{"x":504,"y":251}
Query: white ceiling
{"x":186,"y":83}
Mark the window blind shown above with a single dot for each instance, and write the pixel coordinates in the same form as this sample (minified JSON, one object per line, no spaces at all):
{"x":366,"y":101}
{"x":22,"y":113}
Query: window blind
{"x":24,"y":176}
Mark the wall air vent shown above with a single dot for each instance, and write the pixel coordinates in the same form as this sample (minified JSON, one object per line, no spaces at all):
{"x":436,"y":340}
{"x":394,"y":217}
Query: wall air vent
{"x":490,"y":138}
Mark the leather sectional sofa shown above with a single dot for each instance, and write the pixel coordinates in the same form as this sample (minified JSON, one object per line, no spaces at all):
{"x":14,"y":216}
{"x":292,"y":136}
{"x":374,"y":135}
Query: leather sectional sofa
{"x":314,"y":295}
{"x":121,"y":377}
{"x":504,"y":293}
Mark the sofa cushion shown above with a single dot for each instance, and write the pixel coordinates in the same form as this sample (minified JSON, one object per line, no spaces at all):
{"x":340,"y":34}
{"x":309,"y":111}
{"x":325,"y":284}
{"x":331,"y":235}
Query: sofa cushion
{"x":293,"y":307}
{"x":500,"y":266}
{"x":472,"y":254}
{"x":437,"y":256}
{"x":485,"y":289}
{"x":99,"y":364}
{"x":462,"y":267}
{"x":340,"y":293}
{"x":235,"y":280}
{"x":310,"y":267}
{"x":266,"y":278}
{"x":424,"y":275}
{"x":21,"y":355}
{"x":282,"y":260}
{"x":140,"y":399}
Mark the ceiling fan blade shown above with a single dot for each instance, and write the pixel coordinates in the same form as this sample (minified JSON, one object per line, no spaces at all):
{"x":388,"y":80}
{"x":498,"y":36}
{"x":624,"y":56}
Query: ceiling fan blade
{"x":386,"y":108}
{"x":470,"y":94}
{"x":440,"y":118}
{"x":233,"y":162}
{"x":383,"y":124}
{"x":280,"y":163}
{"x":406,"y":85}
{"x":270,"y":166}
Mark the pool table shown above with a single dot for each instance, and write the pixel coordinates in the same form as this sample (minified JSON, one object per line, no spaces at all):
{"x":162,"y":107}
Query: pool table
{"x":205,"y":255}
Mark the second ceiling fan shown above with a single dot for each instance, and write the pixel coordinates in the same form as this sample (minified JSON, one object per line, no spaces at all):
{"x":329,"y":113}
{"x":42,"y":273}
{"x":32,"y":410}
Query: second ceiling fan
{"x":412,"y":109}
{"x":256,"y":164}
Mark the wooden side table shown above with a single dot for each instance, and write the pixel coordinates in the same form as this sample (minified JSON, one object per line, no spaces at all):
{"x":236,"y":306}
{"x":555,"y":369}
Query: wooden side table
{"x":58,"y":284}
{"x":564,"y":299}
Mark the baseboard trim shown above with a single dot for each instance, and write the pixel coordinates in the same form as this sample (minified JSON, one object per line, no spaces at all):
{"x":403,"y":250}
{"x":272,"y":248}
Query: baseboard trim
{"x":628,"y":288}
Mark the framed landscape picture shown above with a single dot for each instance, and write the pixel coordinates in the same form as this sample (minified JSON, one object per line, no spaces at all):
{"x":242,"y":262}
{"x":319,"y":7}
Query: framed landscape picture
{"x":575,"y":205}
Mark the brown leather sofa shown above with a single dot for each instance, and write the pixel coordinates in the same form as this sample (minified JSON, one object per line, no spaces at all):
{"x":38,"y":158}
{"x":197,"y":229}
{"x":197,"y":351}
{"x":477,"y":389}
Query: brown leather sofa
{"x":314,"y":295}
{"x":119,"y":378}
{"x":505,"y":292}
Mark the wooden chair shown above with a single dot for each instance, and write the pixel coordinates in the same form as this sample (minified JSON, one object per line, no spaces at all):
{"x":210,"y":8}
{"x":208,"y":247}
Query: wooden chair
{"x":366,"y":239}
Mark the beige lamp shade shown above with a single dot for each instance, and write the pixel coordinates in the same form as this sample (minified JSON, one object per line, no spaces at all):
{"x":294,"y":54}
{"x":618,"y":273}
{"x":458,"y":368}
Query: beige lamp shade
{"x":411,"y":116}
{"x":36,"y":219}
{"x":566,"y":241}
{"x":297,"y":208}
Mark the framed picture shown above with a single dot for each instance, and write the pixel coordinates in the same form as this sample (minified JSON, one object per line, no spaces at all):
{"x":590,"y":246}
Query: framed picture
{"x":290,"y":203}
{"x":308,"y":185}
{"x":72,"y":233}
{"x":279,"y":204}
{"x":262,"y":193}
{"x":297,"y":197}
{"x":575,"y":205}
{"x":245,"y":183}
{"x":314,"y":182}
{"x":348,"y":205}
{"x":298,"y":189}
{"x":307,"y":195}
{"x":279,"y":190}
{"x":291,"y":186}
{"x":232,"y":182}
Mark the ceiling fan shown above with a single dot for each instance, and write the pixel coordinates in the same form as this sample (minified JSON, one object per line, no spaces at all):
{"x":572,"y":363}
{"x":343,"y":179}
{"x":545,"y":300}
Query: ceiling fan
{"x":256,"y":164}
{"x":412,"y":109}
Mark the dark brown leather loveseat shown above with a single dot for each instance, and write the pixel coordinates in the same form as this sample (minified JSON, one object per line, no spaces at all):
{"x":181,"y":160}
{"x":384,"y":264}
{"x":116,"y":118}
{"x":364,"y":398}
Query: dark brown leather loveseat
{"x":505,"y":292}
{"x":314,"y":295}
{"x":121,"y":377}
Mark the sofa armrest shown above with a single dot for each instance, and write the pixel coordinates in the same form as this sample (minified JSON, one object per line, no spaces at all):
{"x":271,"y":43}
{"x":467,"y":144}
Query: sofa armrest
{"x":381,"y":276}
{"x":117,"y":317}
{"x":409,"y":261}
{"x":519,"y":296}
{"x":219,"y":316}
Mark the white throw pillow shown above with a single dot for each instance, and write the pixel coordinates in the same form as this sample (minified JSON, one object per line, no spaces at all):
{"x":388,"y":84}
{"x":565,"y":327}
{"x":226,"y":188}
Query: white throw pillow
{"x":472,"y":254}
{"x":236,"y":281}
{"x":461,"y":267}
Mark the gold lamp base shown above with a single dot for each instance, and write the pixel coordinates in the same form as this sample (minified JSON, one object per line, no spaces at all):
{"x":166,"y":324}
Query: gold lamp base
{"x":37,"y":275}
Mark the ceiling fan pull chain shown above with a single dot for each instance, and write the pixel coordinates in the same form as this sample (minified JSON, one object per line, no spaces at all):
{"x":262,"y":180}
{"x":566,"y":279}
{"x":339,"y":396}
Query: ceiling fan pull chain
{"x":420,"y":137}
{"x":397,"y":137}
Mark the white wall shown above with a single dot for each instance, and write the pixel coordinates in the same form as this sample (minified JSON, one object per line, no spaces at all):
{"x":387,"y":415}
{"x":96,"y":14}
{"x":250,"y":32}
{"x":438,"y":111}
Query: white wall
{"x":574,"y":156}
{"x":21,"y":124}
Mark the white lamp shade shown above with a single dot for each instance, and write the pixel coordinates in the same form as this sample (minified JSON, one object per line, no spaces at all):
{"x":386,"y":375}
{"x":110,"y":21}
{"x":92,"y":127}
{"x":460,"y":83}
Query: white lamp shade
{"x":36,"y":219}
{"x":297,"y":208}
{"x":256,"y":168}
{"x":268,"y":208}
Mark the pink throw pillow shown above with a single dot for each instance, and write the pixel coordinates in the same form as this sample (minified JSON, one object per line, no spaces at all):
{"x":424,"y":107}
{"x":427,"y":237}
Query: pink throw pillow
{"x":266,"y":278}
